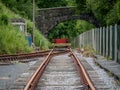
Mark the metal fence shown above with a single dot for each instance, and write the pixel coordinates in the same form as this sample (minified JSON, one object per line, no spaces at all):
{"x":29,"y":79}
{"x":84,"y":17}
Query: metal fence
{"x":104,"y":40}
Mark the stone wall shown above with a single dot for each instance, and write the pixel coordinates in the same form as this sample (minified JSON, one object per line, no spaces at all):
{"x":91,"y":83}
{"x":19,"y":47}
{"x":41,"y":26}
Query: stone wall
{"x":47,"y":18}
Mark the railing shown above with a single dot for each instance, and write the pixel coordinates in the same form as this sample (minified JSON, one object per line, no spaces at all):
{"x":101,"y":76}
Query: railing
{"x":104,"y":40}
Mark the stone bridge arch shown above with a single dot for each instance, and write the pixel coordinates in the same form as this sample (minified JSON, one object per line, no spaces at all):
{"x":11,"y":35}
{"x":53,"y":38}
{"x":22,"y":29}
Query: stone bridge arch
{"x":49,"y":17}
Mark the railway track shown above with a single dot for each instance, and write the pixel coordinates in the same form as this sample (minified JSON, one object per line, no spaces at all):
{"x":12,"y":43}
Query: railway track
{"x":60,"y":73}
{"x":9,"y":59}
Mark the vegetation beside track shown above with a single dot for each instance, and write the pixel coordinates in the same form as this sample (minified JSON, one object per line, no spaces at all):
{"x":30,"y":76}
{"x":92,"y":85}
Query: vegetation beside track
{"x":106,"y":13}
{"x":11,"y":40}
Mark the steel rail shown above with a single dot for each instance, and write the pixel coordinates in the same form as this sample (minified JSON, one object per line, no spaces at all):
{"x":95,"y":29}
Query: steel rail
{"x":20,"y":57}
{"x":31,"y":84}
{"x":9,"y":59}
{"x":83,"y":73}
{"x":34,"y":79}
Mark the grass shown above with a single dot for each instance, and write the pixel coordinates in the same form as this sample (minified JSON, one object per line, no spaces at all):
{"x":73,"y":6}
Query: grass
{"x":12,"y":41}
{"x":40,"y":41}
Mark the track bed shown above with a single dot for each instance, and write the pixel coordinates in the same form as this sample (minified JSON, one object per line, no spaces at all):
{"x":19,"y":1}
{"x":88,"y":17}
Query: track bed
{"x":60,"y":74}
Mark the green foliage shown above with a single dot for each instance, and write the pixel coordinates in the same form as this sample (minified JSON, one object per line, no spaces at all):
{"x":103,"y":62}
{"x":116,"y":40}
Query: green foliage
{"x":114,"y":15}
{"x":3,"y":19}
{"x":23,"y":7}
{"x":40,"y":41}
{"x":69,"y":29}
{"x":12,"y":41}
{"x":82,"y":26}
{"x":70,"y":2}
{"x":5,"y":12}
{"x":50,"y":3}
{"x":100,"y":9}
{"x":81,"y":5}
{"x":106,"y":11}
{"x":63,"y":30}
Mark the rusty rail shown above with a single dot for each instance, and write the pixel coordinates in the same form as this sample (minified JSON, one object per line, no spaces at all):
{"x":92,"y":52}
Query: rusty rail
{"x":35,"y":77}
{"x":7,"y":59}
{"x":20,"y":57}
{"x":86,"y":81}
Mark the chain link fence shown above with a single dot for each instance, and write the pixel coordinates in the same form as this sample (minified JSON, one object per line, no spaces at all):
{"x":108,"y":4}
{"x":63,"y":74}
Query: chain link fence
{"x":104,"y":40}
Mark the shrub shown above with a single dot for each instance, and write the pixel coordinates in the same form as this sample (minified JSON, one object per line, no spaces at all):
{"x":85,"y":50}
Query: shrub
{"x":40,"y":41}
{"x":3,"y":19}
{"x":12,"y":41}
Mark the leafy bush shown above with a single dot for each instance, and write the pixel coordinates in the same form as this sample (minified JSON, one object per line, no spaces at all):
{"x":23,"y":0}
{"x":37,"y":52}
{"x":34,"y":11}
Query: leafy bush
{"x":40,"y":41}
{"x":12,"y":41}
{"x":69,"y":29}
{"x":114,"y":15}
{"x":50,"y":3}
{"x":16,"y":42}
{"x":3,"y":19}
{"x":22,"y":7}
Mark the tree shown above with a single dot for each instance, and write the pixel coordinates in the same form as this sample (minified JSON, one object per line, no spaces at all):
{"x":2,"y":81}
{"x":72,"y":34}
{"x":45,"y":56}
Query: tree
{"x":114,"y":14}
{"x":81,"y":5}
{"x":3,"y":20}
{"x":101,"y":9}
{"x":50,"y":3}
{"x":22,"y":7}
{"x":69,"y":29}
